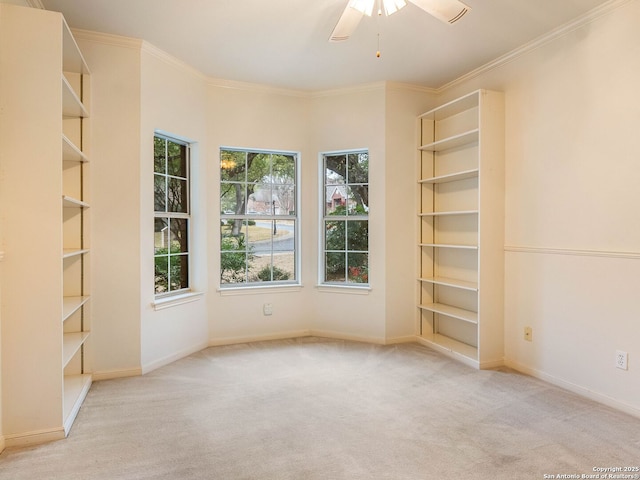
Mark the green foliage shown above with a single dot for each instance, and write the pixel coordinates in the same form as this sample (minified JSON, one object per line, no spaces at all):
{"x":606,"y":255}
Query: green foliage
{"x":347,"y":241}
{"x":235,"y":258}
{"x":278,"y":274}
{"x":170,"y":272}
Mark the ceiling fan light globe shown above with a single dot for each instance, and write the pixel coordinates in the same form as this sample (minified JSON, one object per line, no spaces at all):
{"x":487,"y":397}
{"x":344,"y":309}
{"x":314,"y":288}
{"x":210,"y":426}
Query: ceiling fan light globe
{"x":392,"y":6}
{"x":363,"y":6}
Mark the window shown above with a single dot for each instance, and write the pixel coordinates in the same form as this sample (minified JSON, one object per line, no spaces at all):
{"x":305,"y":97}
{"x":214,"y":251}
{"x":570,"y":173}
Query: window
{"x":345,"y":218}
{"x":259,"y":219}
{"x":172,"y":215}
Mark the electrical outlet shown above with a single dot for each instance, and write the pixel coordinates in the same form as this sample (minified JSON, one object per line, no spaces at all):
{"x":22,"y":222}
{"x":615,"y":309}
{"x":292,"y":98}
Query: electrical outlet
{"x":267,"y":309}
{"x":528,"y":334}
{"x":621,"y":359}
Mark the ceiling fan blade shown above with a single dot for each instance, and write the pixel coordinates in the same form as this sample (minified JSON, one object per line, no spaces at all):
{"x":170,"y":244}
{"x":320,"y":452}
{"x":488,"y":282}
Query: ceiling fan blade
{"x":346,"y":25}
{"x":447,"y":11}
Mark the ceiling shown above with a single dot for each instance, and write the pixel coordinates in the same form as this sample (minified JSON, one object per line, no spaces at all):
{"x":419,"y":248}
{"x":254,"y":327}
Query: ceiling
{"x":284,"y":43}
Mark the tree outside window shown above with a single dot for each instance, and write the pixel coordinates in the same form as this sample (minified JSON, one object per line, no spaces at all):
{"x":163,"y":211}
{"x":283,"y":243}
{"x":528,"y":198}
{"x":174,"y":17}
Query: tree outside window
{"x":345,"y":218}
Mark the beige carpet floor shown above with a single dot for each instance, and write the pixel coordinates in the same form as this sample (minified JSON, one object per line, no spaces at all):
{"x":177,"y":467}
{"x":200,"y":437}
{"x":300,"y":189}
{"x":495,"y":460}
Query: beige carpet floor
{"x":313,"y":408}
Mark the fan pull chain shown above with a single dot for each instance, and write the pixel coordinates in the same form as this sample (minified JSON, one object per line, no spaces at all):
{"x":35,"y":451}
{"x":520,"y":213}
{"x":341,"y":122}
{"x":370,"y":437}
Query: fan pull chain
{"x":378,"y":23}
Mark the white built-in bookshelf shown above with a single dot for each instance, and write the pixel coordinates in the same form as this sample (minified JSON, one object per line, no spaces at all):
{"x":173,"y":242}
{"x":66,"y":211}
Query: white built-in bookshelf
{"x":461,"y":228}
{"x":45,"y":290}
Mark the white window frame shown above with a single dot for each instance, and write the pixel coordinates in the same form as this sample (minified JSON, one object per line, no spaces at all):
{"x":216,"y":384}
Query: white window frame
{"x":183,"y":293}
{"x":234,"y":288}
{"x":355,"y":287}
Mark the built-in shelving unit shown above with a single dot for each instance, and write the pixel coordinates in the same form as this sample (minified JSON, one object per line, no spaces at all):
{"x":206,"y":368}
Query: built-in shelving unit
{"x":44,"y":207}
{"x":461,"y":224}
{"x":75,"y":251}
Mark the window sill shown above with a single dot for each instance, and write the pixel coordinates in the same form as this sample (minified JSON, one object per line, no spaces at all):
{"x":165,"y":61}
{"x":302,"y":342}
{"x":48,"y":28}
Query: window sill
{"x":260,"y":289}
{"x":175,"y":300}
{"x":350,"y":289}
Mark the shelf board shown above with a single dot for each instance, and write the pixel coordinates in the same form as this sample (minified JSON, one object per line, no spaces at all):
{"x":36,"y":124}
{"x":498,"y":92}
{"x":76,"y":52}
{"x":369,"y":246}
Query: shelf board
{"x":73,"y":252}
{"x":452,"y":142}
{"x":76,"y":388}
{"x":71,"y":153}
{"x":451,"y":177}
{"x":456,"y":212}
{"x":70,"y":202}
{"x":71,"y":304}
{"x":453,"y":312}
{"x":451,"y":282}
{"x":454,"y":107}
{"x":71,"y":105}
{"x":71,"y":343}
{"x":448,"y":245}
{"x":451,"y":345}
{"x":72,"y":59}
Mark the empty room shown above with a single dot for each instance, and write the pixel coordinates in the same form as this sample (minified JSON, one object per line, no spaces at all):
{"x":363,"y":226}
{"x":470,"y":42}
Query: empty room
{"x":342,"y":239}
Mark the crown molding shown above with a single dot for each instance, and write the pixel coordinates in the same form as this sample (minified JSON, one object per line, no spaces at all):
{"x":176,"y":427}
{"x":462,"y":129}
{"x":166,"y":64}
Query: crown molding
{"x":579,"y":22}
{"x":107,"y":39}
{"x":255,"y":87}
{"x":362,"y":88}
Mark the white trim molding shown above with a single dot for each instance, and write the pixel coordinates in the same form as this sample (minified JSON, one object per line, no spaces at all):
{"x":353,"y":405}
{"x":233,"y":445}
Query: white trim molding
{"x":572,"y":387}
{"x":570,"y":251}
{"x":34,"y":438}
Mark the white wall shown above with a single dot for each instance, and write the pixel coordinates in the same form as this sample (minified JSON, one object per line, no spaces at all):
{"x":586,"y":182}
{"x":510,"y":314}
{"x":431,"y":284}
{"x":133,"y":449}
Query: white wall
{"x":572,"y":176}
{"x":173,"y":101}
{"x":114,"y":197}
{"x":250,"y":116}
{"x":403,"y":105}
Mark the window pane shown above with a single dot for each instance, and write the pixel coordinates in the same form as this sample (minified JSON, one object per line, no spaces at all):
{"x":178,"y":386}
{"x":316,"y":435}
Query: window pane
{"x":161,"y":274}
{"x":179,"y":272}
{"x":284,"y":169}
{"x":358,"y":168}
{"x":336,"y":200}
{"x":231,"y":198}
{"x":335,"y":235}
{"x":358,"y":267}
{"x":159,"y":193}
{"x":232,"y":166}
{"x":258,"y":167}
{"x":235,"y":230}
{"x":233,"y":267}
{"x":161,"y":236}
{"x":358,"y":200}
{"x":176,"y":159}
{"x":179,"y":240}
{"x":358,"y":235}
{"x":284,"y":234}
{"x":159,"y":155}
{"x":177,"y":195}
{"x":334,"y":267}
{"x":285,"y":199}
{"x":335,"y":169}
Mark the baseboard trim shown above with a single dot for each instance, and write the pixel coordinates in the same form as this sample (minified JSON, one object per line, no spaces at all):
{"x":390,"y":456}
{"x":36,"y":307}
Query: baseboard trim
{"x":572,"y":387}
{"x":111,"y":374}
{"x":218,"y":342}
{"x":347,"y":336}
{"x":161,"y":362}
{"x":34,"y":438}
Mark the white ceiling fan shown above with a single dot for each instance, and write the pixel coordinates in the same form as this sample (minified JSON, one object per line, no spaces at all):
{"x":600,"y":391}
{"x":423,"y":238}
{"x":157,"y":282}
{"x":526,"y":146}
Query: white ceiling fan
{"x":448,"y":11}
